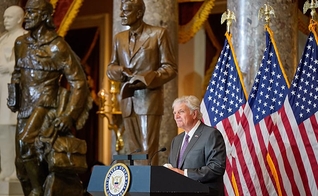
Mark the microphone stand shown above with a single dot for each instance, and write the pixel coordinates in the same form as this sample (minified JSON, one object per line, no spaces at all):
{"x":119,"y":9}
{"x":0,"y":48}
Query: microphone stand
{"x":161,"y":150}
{"x":131,"y":157}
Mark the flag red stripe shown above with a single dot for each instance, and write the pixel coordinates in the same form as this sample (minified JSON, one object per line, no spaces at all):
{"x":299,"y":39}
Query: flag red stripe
{"x":242,"y":164}
{"x":308,"y":147}
{"x":228,"y":171}
{"x":252,"y":150}
{"x":266,"y":181}
{"x":269,"y":126}
{"x":295,"y":148}
{"x":315,"y":125}
{"x":287,"y":164}
{"x":237,"y":177}
{"x":278,"y":170}
{"x":227,"y":130}
{"x":282,"y":153}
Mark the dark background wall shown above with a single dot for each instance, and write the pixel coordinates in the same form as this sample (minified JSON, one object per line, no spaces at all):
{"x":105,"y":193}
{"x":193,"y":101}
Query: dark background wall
{"x":96,"y":7}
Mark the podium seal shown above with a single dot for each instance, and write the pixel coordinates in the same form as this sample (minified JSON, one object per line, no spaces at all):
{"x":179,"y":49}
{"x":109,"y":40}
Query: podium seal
{"x":117,"y":180}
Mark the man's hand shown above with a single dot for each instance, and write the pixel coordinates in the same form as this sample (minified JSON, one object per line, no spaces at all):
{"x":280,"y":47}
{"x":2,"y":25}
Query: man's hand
{"x":63,"y":123}
{"x":126,"y":72}
{"x":177,"y":170}
{"x":137,"y":85}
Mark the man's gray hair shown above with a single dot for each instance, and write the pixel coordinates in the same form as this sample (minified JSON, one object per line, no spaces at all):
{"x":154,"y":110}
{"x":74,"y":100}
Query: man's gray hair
{"x":192,"y":102}
{"x":140,"y":4}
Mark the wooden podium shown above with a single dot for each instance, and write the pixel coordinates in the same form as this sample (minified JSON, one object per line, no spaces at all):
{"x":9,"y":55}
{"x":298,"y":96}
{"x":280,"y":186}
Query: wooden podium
{"x":149,"y":180}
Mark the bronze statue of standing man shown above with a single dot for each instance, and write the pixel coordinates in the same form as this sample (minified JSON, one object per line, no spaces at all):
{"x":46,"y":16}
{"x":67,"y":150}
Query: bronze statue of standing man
{"x":143,"y":60}
{"x":42,"y":58}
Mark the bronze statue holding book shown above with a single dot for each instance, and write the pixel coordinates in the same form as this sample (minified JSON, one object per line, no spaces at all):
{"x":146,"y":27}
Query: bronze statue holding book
{"x":143,"y":61}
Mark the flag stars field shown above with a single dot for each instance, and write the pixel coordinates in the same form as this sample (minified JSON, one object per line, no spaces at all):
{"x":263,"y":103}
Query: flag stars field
{"x":225,"y":88}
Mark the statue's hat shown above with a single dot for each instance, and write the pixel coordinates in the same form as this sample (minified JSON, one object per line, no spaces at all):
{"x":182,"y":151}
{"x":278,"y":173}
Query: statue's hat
{"x":39,"y":5}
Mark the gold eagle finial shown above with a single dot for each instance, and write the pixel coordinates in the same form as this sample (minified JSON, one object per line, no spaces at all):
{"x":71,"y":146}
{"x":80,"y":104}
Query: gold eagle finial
{"x":265,"y":12}
{"x":313,"y":5}
{"x":228,"y":16}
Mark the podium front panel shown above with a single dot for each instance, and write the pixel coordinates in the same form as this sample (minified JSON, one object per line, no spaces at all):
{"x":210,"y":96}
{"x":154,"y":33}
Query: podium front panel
{"x":149,"y":180}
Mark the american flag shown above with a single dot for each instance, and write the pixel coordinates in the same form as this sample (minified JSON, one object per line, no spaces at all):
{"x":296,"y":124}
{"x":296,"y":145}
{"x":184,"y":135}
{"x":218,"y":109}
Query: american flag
{"x":266,"y":98}
{"x":222,"y":105}
{"x":294,"y":144}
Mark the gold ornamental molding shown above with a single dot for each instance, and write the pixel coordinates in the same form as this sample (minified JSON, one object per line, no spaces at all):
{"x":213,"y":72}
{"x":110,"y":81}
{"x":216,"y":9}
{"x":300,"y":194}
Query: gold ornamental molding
{"x":187,"y":1}
{"x":187,"y":31}
{"x":70,"y":15}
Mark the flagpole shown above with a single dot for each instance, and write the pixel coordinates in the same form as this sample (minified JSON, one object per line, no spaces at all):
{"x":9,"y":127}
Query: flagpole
{"x":265,"y":13}
{"x":313,"y":23}
{"x":229,"y":17}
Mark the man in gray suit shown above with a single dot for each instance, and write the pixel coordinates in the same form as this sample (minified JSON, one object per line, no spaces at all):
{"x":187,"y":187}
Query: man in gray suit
{"x":203,"y":158}
{"x":143,"y":60}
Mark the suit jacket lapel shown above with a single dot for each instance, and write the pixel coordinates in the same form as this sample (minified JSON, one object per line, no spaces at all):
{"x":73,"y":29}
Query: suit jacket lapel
{"x":143,"y":38}
{"x":124,"y":45}
{"x":178,"y":143}
{"x":193,"y":140}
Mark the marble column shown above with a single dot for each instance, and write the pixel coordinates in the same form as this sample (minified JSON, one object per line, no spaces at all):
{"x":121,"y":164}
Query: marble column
{"x":249,"y":38}
{"x":159,"y":13}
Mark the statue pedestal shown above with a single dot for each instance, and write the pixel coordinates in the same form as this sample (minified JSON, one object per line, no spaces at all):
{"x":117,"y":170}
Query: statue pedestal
{"x":10,"y":188}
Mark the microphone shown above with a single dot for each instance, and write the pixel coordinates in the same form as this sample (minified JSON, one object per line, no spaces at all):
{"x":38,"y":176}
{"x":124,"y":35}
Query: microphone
{"x":161,"y":150}
{"x":135,"y":151}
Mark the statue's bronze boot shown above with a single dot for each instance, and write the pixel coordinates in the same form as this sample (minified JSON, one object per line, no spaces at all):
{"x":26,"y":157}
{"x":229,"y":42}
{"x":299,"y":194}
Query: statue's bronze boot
{"x":36,"y":176}
{"x":36,"y":192}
